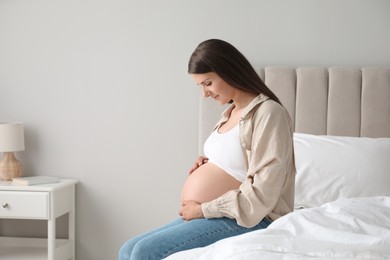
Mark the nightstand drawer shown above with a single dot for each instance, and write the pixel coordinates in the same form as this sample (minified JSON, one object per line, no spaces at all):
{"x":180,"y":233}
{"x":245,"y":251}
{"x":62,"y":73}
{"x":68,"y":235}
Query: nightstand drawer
{"x":23,"y":204}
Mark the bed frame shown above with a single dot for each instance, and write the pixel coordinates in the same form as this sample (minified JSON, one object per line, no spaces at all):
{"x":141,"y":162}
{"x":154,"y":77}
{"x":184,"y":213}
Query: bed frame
{"x":341,"y":101}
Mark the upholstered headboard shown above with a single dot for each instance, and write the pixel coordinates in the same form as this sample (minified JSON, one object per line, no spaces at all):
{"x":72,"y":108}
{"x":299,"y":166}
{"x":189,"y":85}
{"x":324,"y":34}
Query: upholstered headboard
{"x":338,"y":101}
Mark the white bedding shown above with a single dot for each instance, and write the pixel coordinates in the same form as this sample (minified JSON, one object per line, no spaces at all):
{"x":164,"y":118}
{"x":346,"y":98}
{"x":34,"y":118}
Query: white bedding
{"x":357,"y":228}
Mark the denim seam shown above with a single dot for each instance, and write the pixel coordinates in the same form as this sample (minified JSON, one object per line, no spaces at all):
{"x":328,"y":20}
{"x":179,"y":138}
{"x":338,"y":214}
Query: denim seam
{"x":202,"y":236}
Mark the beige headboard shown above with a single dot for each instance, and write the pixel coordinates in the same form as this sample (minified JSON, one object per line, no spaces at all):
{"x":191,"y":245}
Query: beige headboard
{"x":339,"y":101}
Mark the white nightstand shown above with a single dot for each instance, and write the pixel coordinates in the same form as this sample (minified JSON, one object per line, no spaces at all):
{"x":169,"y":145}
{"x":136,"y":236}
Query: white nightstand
{"x":44,"y":202}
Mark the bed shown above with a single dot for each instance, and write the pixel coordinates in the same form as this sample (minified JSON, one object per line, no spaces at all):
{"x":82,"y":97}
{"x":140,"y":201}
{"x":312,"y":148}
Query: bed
{"x":341,"y":118}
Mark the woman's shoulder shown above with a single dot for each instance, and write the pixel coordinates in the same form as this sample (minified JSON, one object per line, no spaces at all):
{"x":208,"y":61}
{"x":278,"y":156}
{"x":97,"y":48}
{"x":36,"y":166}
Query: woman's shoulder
{"x":271,"y":110}
{"x":270,"y":106}
{"x":263,"y":106}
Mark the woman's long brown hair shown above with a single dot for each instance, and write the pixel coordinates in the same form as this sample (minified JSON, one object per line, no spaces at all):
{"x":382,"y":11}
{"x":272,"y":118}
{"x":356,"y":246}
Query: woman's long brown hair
{"x":230,"y":64}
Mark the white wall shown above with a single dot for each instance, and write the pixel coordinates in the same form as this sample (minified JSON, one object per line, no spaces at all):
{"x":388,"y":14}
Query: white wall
{"x":105,"y":97}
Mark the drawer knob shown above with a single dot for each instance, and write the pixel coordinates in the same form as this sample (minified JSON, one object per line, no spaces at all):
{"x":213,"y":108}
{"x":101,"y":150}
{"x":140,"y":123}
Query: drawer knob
{"x":5,"y":205}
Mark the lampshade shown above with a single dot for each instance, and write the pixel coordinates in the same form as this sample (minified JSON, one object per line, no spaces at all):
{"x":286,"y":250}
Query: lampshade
{"x":11,"y":137}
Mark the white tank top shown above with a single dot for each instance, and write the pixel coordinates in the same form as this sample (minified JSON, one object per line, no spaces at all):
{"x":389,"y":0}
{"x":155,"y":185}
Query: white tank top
{"x":224,"y":150}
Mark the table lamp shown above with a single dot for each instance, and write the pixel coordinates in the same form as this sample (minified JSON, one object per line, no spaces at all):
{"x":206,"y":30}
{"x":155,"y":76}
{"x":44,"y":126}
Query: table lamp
{"x":11,"y":140}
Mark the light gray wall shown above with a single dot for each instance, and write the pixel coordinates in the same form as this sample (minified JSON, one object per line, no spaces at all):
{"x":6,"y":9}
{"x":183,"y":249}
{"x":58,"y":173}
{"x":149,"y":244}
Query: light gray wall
{"x":103,"y":91}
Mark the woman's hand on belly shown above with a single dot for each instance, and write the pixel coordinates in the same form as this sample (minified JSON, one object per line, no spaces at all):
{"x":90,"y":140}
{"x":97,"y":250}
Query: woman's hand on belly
{"x":191,"y":210}
{"x":199,"y":162}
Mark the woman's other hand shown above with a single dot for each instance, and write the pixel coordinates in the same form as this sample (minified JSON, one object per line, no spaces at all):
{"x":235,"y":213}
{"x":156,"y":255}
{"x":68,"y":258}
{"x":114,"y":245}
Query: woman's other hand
{"x":199,"y":162}
{"x":191,"y":210}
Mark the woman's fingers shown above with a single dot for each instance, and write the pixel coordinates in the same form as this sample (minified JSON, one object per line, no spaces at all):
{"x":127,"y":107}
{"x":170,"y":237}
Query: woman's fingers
{"x":199,"y":162}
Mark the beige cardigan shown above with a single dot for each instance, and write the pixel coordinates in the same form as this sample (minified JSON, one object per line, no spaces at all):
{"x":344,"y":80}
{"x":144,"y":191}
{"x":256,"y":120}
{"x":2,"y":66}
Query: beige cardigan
{"x":268,"y":191}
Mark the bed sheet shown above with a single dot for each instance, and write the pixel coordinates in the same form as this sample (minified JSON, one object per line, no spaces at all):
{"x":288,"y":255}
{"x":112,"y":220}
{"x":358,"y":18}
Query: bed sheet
{"x":354,"y":228}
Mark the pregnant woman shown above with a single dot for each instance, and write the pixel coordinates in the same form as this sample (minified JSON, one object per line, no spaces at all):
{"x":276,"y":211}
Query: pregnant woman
{"x":245,"y":179}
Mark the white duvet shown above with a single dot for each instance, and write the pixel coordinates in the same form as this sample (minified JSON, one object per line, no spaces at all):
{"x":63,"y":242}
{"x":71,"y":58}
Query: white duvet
{"x":357,"y":228}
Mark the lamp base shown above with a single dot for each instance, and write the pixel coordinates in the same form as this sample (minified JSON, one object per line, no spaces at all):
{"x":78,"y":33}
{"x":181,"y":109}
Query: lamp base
{"x":10,"y":167}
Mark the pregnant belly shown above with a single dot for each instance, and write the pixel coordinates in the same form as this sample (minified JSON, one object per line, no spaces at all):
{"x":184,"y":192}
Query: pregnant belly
{"x":208,"y":182}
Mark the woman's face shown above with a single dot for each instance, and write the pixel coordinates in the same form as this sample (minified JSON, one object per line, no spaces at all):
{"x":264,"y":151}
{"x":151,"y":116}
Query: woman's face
{"x":214,"y":86}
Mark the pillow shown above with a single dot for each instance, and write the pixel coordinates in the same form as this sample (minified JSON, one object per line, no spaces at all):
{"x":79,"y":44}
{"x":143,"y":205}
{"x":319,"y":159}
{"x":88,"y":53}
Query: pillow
{"x":332,"y":167}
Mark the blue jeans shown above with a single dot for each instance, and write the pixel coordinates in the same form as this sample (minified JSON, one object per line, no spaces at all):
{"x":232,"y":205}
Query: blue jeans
{"x":181,"y":235}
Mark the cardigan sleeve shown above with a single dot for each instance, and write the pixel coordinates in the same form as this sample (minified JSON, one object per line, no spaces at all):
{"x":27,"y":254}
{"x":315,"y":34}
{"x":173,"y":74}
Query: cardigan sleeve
{"x":269,"y":162}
